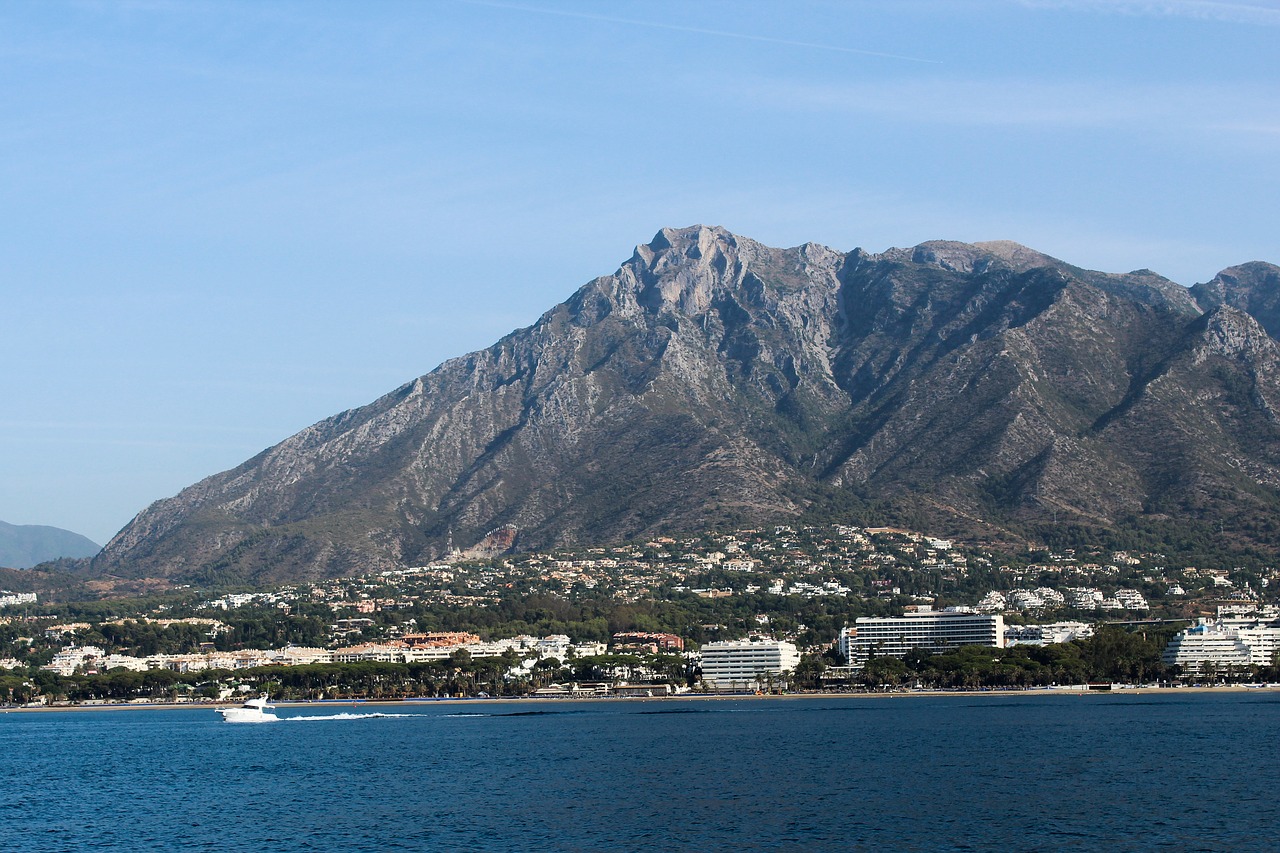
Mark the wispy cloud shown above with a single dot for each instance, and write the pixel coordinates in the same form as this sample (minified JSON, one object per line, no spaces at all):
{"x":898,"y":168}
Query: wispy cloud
{"x":1258,"y":14}
{"x":1030,"y":103}
{"x":658,"y":25}
{"x":1251,"y":128}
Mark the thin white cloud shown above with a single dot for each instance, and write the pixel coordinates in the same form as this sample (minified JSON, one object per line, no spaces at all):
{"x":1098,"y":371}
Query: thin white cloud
{"x":1257,"y":14}
{"x":658,"y":25}
{"x":1030,"y":103}
{"x":1250,"y":128}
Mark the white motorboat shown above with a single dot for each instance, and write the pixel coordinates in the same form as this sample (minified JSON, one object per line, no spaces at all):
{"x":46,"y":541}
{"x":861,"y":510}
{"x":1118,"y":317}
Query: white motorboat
{"x":252,"y":711}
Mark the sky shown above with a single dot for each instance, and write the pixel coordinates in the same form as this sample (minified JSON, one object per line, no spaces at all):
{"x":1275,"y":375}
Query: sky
{"x":225,"y":221}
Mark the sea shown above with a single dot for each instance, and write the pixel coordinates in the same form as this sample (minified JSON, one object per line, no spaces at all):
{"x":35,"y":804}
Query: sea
{"x":1126,"y":771}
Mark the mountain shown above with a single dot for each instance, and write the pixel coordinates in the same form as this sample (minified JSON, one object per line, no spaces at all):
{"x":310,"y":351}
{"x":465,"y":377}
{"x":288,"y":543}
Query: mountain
{"x":25,"y":545}
{"x":984,"y":390}
{"x":1253,"y":288}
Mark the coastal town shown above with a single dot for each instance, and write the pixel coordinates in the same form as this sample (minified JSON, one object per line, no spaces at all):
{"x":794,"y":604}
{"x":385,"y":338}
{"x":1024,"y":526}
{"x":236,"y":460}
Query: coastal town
{"x":782,"y":608}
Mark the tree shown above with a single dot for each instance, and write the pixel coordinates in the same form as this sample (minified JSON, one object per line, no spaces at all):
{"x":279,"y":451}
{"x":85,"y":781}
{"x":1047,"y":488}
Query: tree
{"x":808,"y":673}
{"x":884,"y":672}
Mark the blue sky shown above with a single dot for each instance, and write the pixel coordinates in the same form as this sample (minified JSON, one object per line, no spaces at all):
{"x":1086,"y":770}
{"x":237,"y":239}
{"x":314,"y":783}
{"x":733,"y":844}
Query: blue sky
{"x":225,"y":221}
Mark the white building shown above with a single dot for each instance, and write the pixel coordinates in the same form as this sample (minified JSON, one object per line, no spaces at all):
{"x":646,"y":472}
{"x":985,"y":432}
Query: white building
{"x":1258,"y":628}
{"x":302,"y":656}
{"x":1084,"y":598}
{"x":552,"y":646}
{"x":69,"y":659}
{"x":15,"y":598}
{"x":1256,"y":612}
{"x":932,"y":631}
{"x":993,"y":602}
{"x":369,"y":652}
{"x":1051,"y":597}
{"x":738,"y":663}
{"x":1025,"y":599}
{"x":1043,"y":635}
{"x":587,"y":650}
{"x":125,"y":662}
{"x":1205,"y":645}
{"x":1131,"y":599}
{"x":1263,"y":642}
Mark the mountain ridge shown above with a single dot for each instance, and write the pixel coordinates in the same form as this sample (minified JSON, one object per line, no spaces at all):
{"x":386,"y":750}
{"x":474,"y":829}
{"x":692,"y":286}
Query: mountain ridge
{"x":23,"y":546}
{"x":714,"y":380}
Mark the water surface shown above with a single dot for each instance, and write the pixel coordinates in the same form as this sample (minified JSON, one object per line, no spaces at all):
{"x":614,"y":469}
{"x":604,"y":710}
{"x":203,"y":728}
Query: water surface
{"x":1025,"y":772}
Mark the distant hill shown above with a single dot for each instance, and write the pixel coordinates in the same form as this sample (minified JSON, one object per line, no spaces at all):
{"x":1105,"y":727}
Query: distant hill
{"x":25,"y":545}
{"x":982,"y":391}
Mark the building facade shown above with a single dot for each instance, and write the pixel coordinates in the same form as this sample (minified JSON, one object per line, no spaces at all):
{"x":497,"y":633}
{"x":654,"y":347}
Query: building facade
{"x":1224,"y":644}
{"x":744,"y":664}
{"x":933,"y":631}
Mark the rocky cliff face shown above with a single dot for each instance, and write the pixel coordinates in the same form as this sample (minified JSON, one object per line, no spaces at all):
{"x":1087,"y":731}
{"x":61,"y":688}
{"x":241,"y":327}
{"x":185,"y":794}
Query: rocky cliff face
{"x":713,"y":380}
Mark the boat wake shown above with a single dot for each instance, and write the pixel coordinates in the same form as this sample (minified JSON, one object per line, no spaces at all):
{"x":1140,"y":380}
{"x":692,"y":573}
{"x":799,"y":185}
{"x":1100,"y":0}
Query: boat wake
{"x":473,"y":715}
{"x":345,"y":716}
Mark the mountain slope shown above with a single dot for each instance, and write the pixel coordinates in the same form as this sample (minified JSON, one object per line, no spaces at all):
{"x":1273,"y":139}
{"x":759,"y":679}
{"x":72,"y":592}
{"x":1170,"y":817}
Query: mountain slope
{"x":25,"y":545}
{"x":714,"y":380}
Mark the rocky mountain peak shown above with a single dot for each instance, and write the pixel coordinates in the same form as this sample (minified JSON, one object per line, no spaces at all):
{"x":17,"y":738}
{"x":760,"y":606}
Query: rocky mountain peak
{"x":1231,"y":333}
{"x":1016,"y":255}
{"x":1252,"y":278}
{"x":681,"y":268}
{"x":979,"y":389}
{"x":955,"y":257}
{"x":965,"y":258}
{"x":687,"y":270}
{"x":1253,"y":287}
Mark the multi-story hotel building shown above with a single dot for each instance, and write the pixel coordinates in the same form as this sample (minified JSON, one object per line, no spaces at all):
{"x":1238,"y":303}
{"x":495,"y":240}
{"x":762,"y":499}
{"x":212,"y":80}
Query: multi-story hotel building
{"x":739,"y":663}
{"x":1224,"y":643}
{"x":933,"y":631}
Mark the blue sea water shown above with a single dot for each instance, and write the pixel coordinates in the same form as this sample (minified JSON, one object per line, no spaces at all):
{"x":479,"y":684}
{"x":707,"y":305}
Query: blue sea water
{"x":1025,"y":772}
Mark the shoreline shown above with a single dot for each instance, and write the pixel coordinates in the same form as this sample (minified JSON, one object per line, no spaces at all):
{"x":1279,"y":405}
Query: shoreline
{"x":1073,"y":690}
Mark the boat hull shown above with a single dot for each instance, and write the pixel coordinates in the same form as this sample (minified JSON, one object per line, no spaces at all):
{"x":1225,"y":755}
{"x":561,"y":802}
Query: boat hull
{"x":244,"y":715}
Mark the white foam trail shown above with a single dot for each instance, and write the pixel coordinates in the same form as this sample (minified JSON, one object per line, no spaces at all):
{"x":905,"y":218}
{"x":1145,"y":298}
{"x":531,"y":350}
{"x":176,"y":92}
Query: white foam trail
{"x":346,"y":716}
